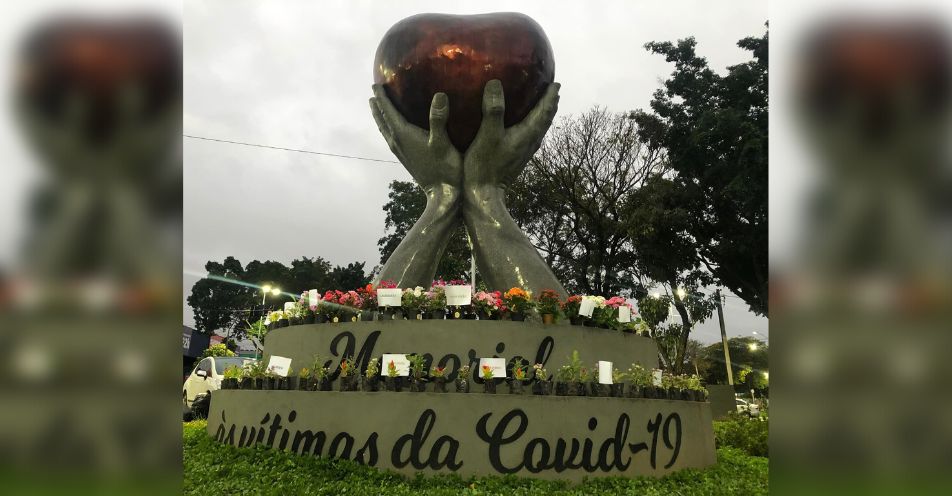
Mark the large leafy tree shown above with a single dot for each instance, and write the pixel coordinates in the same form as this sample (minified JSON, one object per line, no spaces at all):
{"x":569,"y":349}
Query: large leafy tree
{"x":405,"y":206}
{"x":571,"y":200}
{"x":749,"y":362}
{"x":713,"y":129}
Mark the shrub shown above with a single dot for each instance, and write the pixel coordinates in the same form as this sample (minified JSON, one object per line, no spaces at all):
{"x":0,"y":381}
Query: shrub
{"x":738,"y":431}
{"x":217,"y":350}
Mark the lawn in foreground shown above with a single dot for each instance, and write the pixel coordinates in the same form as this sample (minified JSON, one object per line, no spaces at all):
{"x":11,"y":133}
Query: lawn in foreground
{"x":211,"y":468}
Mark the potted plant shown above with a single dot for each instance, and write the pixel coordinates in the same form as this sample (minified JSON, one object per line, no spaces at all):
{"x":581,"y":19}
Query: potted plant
{"x":293,"y":313}
{"x":412,"y":301}
{"x":488,"y":305}
{"x":438,"y":376}
{"x":548,"y":306}
{"x":519,"y":303}
{"x":348,"y":374}
{"x":387,"y":313}
{"x":541,"y":384}
{"x":256,"y":372}
{"x":583,"y":377}
{"x":462,"y":379}
{"x":417,"y":373}
{"x":639,"y":379}
{"x":599,"y":303}
{"x":368,"y":303}
{"x":618,"y":384}
{"x":489,"y":384}
{"x":319,"y":375}
{"x":269,"y":379}
{"x":303,"y":377}
{"x":276,"y":320}
{"x":456,"y":312}
{"x":231,"y":376}
{"x":371,"y":381}
{"x":516,"y":384}
{"x":668,"y":388}
{"x":570,"y":308}
{"x":393,"y":380}
{"x":436,"y":301}
{"x":592,"y":386}
{"x":331,"y":307}
{"x":351,"y":302}
{"x":563,"y":377}
{"x":698,"y":392}
{"x":307,"y":310}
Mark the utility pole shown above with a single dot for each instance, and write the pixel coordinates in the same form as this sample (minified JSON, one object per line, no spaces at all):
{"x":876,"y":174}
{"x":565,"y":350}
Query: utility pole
{"x":727,"y":353}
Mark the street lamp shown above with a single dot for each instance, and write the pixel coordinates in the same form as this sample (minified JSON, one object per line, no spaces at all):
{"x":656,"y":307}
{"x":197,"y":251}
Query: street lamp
{"x":268,"y":289}
{"x":752,"y":346}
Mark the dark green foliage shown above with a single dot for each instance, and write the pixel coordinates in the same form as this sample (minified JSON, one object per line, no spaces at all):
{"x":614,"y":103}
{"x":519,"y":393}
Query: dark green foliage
{"x":739,"y":431}
{"x":211,"y":468}
{"x":742,"y":357}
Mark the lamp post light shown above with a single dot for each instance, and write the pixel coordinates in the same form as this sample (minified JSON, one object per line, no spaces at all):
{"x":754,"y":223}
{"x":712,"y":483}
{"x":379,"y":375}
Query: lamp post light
{"x":268,"y":289}
{"x":753,"y":346}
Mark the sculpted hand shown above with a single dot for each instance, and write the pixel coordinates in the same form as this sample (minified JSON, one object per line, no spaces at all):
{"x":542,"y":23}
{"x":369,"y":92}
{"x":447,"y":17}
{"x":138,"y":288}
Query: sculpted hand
{"x":438,"y":168}
{"x":428,"y":156}
{"x":505,"y":255}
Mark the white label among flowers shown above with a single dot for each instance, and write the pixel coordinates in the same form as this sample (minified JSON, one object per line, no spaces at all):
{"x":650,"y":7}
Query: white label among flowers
{"x":289,"y":306}
{"x":498,"y":365}
{"x":279,"y":365}
{"x":400,"y":362}
{"x":624,"y":314}
{"x":389,"y":297}
{"x":313,"y":298}
{"x":586,"y":307}
{"x":656,"y":377}
{"x":459,"y":295}
{"x":604,"y":372}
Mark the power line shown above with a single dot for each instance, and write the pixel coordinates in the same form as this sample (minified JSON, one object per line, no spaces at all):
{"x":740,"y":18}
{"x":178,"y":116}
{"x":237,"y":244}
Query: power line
{"x":291,"y":149}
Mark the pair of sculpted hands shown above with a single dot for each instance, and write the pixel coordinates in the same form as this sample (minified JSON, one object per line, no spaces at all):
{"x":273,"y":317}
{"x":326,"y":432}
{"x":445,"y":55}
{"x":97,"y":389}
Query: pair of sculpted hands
{"x":467,"y":186}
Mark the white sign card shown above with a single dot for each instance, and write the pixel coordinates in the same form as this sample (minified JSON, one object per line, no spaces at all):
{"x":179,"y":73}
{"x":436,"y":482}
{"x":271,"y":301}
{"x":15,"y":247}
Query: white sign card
{"x":604,"y":372}
{"x":389,"y":297}
{"x":497,"y":364}
{"x":624,"y":314}
{"x":289,"y":306}
{"x":656,"y":377}
{"x":459,"y":295}
{"x":586,"y":308}
{"x":313,"y":298}
{"x":399,"y":361}
{"x":279,"y":365}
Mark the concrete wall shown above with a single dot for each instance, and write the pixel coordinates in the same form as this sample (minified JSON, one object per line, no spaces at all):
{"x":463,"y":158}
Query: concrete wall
{"x":547,"y":437}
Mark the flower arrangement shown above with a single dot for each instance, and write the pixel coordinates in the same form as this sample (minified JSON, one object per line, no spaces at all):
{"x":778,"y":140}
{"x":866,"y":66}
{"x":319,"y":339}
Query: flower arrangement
{"x":489,"y":385}
{"x":275,"y":317}
{"x":548,"y":306}
{"x":353,"y":302}
{"x":487,"y":372}
{"x":519,"y":302}
{"x":414,"y":302}
{"x":462,"y":379}
{"x":368,"y":298}
{"x":436,"y":299}
{"x":330,"y":305}
{"x":539,"y":373}
{"x":518,"y":372}
{"x":488,"y":305}
{"x":391,"y":370}
{"x":438,"y":374}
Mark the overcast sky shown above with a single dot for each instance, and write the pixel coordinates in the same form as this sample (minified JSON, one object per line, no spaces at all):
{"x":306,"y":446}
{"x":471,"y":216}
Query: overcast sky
{"x":297,"y":74}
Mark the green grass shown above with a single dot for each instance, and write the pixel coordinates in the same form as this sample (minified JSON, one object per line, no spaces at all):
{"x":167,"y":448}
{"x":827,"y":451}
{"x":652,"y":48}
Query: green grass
{"x":212,"y":469}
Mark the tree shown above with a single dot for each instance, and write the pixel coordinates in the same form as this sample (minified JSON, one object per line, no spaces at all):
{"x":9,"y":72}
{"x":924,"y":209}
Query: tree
{"x":229,"y":295}
{"x":570,"y":199}
{"x":217,"y":350}
{"x":713,"y":130}
{"x":405,"y":206}
{"x":674,"y":347}
{"x":747,"y":353}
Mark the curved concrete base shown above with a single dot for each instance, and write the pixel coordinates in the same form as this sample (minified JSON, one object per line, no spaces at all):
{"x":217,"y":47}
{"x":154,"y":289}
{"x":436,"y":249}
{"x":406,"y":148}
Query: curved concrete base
{"x":548,"y":437}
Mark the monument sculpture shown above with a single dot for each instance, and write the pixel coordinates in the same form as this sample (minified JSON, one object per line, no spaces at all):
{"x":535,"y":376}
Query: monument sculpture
{"x":464,"y":102}
{"x":493,"y":99}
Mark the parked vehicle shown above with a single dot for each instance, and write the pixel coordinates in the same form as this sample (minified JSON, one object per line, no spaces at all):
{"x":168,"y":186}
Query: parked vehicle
{"x":207,"y":375}
{"x":746,"y":407}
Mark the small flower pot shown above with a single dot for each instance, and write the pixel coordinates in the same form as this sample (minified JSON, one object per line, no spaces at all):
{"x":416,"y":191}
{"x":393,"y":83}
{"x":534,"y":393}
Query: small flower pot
{"x":517,"y":316}
{"x":633,"y":391}
{"x":484,"y":315}
{"x":548,"y":318}
{"x":272,"y":326}
{"x":437,"y":314}
{"x":295,"y":321}
{"x":595,"y":389}
{"x":489,"y":386}
{"x":603,"y":326}
{"x":291,"y":383}
{"x":390,"y":314}
{"x":439,"y":384}
{"x":348,"y":383}
{"x":674,"y":394}
{"x":370,"y":384}
{"x":589,"y":322}
{"x":267,"y":384}
{"x":577,"y":320}
{"x":308,"y":319}
{"x":686,"y":395}
{"x":283,"y":323}
{"x":469,"y":316}
{"x":394,"y":384}
{"x":366,"y":315}
{"x":353,"y":317}
{"x":246,"y":383}
{"x":581,"y":389}
{"x":320,"y":319}
{"x":424,"y":316}
{"x":542,"y":388}
{"x":257,"y":384}
{"x":516,"y":387}
{"x":618,"y":390}
{"x":462,"y":386}
{"x":325,"y":384}
{"x":229,"y":383}
{"x":561,"y":389}
{"x":304,"y":383}
{"x":455,"y":314}
{"x":281,"y":383}
{"x":418,"y":385}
